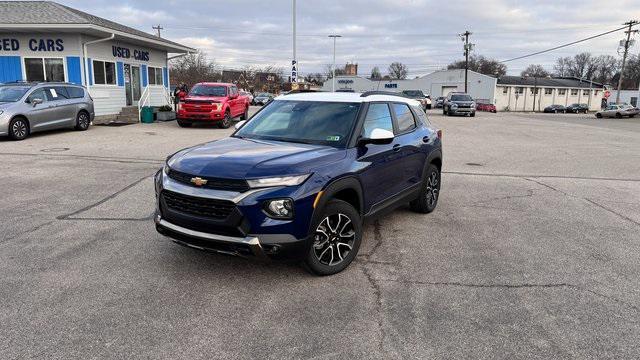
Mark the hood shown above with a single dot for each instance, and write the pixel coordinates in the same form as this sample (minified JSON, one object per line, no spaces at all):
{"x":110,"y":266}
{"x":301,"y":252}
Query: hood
{"x":206,"y":98}
{"x":236,"y":158}
{"x":6,"y":105}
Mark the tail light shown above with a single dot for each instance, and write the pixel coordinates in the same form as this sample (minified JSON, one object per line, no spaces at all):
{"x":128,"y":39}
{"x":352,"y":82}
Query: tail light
{"x":439,"y":132}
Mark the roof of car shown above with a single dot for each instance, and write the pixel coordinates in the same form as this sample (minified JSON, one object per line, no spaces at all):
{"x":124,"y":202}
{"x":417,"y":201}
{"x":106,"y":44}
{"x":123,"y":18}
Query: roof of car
{"x":346,"y":97}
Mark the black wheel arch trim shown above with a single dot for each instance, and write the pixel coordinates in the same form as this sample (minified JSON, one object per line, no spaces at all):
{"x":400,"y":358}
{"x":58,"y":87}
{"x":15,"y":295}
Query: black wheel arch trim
{"x":330,"y":190}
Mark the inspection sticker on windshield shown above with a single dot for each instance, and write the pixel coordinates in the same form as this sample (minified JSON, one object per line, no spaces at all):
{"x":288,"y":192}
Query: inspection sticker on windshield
{"x":333,"y":138}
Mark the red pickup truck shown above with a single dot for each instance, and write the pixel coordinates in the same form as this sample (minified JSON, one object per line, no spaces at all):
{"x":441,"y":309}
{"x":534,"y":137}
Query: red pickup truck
{"x":212,"y":102}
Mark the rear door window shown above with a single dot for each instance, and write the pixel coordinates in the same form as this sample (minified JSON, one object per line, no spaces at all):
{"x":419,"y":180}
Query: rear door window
{"x":75,"y":92}
{"x":378,"y":117}
{"x":57,"y":93}
{"x":404,"y":117}
{"x":422,"y":117}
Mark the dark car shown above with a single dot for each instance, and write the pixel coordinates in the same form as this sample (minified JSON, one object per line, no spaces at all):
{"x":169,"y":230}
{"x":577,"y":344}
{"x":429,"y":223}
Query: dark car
{"x":577,"y":108}
{"x":457,"y":103}
{"x":296,"y":181}
{"x":418,"y":95}
{"x":555,"y":109}
{"x":439,"y":102}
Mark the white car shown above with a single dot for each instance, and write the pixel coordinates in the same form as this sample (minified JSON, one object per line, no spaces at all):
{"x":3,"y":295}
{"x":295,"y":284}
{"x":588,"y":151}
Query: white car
{"x":618,"y":111}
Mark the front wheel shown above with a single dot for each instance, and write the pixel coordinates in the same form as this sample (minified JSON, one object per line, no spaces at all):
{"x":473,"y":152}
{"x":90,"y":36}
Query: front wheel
{"x":184,"y":124}
{"x":18,"y":129}
{"x":336,"y":239}
{"x":225,"y":123}
{"x":618,"y":115}
{"x":430,"y":192}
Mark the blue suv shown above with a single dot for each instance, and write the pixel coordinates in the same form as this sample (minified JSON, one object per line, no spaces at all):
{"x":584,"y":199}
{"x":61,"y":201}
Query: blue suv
{"x":297,"y":180}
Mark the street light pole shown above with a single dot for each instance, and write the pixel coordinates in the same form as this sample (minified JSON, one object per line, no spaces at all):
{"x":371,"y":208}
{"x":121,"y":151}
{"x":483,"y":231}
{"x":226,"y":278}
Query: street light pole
{"x":333,"y":68}
{"x":467,"y":48}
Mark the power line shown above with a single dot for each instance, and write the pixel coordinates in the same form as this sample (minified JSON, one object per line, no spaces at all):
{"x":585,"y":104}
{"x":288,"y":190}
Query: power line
{"x":564,"y":45}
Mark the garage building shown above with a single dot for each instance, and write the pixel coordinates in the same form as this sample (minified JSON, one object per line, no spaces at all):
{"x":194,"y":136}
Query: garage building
{"x":438,"y":83}
{"x":123,"y":68}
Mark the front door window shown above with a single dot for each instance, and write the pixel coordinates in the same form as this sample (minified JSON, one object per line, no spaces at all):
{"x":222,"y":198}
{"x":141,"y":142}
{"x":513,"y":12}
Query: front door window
{"x":132,"y":84}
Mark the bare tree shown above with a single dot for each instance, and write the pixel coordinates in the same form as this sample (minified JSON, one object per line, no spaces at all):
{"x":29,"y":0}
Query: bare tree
{"x":398,"y":70}
{"x":329,"y":74}
{"x":481,"y":64}
{"x":375,"y":73}
{"x":563,"y":66}
{"x":535,"y":70}
{"x":606,"y":68}
{"x":193,"y":68}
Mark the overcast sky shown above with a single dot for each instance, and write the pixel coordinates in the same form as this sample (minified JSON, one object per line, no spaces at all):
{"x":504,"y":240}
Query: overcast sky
{"x":419,"y":33}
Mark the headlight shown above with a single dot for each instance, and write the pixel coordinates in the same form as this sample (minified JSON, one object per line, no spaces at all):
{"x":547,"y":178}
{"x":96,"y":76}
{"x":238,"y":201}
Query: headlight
{"x":166,"y":169}
{"x":279,"y":208}
{"x":277,"y":181}
{"x":454,"y":105}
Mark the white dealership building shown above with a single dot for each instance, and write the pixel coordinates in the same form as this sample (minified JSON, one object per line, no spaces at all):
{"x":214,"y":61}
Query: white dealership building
{"x":121,"y":66}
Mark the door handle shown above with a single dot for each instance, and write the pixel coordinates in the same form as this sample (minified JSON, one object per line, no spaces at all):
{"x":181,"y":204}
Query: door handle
{"x":426,"y":139}
{"x":396,"y":147}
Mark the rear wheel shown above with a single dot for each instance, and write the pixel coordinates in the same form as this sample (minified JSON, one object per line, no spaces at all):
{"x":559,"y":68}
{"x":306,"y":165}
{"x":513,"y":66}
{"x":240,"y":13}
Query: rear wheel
{"x":473,"y":114}
{"x":82,"y":121}
{"x":18,"y":129}
{"x":599,"y":116}
{"x":226,"y":120}
{"x":430,"y":192}
{"x":336,"y":239}
{"x":618,"y":115}
{"x":184,"y":124}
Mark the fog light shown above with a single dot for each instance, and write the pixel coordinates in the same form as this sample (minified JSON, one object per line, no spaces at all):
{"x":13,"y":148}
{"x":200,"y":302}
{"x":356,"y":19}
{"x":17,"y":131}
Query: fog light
{"x":279,"y":208}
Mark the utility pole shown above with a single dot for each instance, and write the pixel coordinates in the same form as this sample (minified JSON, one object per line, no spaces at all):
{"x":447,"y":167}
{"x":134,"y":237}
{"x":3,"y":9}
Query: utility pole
{"x":294,"y":61}
{"x":467,"y":49}
{"x":627,"y":45}
{"x":333,"y":68}
{"x":158,"y":28}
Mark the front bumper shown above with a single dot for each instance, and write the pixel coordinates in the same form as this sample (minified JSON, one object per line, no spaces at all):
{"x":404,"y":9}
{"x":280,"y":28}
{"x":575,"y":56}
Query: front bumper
{"x":200,"y":116}
{"x":460,"y":110}
{"x":245,"y":232}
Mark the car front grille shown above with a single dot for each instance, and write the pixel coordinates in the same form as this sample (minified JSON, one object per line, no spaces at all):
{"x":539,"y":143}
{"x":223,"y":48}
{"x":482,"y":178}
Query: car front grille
{"x":201,"y":207}
{"x":238,"y":185}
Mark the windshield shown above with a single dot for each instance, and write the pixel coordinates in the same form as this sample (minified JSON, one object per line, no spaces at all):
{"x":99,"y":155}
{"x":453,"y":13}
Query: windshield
{"x":461,"y":98}
{"x":12,"y":93}
{"x":310,"y":122}
{"x":414,"y":93}
{"x":207,"y":90}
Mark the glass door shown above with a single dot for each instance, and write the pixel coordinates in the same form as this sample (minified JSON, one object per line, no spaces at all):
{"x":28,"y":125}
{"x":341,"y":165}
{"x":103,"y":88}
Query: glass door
{"x":127,"y":84}
{"x":135,"y":83}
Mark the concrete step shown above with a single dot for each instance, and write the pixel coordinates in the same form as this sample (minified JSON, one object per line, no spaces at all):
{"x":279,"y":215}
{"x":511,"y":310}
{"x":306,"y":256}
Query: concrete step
{"x":129,"y":110}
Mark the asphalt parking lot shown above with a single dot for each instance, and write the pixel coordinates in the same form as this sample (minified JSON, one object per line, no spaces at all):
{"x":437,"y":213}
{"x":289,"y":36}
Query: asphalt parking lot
{"x":533,"y":252}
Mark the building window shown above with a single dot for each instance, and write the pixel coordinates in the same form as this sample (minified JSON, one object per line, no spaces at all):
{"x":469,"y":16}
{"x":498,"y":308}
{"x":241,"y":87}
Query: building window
{"x":585,"y":92}
{"x":574,"y":92}
{"x":104,"y":72}
{"x":155,"y":76}
{"x":505,"y":89}
{"x":562,"y":91}
{"x":44,"y":69}
{"x":548,"y":91}
{"x":520,"y":90}
{"x":534,"y":91}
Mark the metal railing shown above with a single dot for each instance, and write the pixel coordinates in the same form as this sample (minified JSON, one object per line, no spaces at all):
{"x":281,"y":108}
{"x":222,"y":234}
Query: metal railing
{"x":145,"y":98}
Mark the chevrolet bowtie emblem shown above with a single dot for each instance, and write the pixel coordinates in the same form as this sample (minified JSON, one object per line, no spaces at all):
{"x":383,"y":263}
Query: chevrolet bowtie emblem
{"x":198,"y":181}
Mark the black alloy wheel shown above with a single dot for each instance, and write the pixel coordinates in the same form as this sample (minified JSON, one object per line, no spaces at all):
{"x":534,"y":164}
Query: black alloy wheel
{"x":430,"y":193}
{"x":18,"y":129}
{"x":225,"y":123}
{"x":336,"y":239}
{"x":184,"y":124}
{"x":82,"y":121}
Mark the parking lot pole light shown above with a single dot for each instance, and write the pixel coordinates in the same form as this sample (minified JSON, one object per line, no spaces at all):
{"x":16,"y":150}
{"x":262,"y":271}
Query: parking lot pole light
{"x":333,"y":68}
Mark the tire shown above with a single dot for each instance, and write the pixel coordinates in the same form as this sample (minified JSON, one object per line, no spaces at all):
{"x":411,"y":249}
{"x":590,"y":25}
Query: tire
{"x":82,"y":121}
{"x":599,"y":116}
{"x":556,"y":111}
{"x":473,"y":114}
{"x":225,"y":123}
{"x":430,"y":192}
{"x":245,"y":115}
{"x":618,"y":116}
{"x":341,"y":242}
{"x":632,"y":116}
{"x":184,"y":124}
{"x":18,"y":129}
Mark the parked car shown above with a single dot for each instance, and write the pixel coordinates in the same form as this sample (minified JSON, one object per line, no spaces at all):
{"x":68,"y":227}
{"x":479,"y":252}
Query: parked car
{"x":458,"y":103}
{"x":486,"y":107}
{"x":26,"y":108}
{"x":263,"y":98}
{"x":555,"y":109}
{"x":618,"y":111}
{"x":439,"y":102}
{"x":418,"y":95}
{"x":577,"y":108}
{"x":248,"y":95}
{"x":213,"y":103}
{"x":297,"y":180}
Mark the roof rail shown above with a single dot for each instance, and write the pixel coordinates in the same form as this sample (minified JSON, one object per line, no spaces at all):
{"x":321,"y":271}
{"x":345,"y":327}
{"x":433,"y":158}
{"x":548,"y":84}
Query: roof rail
{"x":378,"y":92}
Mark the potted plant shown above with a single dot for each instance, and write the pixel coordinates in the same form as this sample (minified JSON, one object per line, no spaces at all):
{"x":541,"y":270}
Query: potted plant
{"x":166,"y":113}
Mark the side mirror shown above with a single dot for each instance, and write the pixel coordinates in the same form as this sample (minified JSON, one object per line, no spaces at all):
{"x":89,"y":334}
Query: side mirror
{"x":240,"y":124}
{"x":36,"y":101}
{"x":378,"y":137}
{"x":233,"y":96}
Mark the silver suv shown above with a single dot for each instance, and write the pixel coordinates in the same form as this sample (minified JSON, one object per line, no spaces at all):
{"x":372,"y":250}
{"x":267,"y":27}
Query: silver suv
{"x":26,"y":108}
{"x":459,"y":103}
